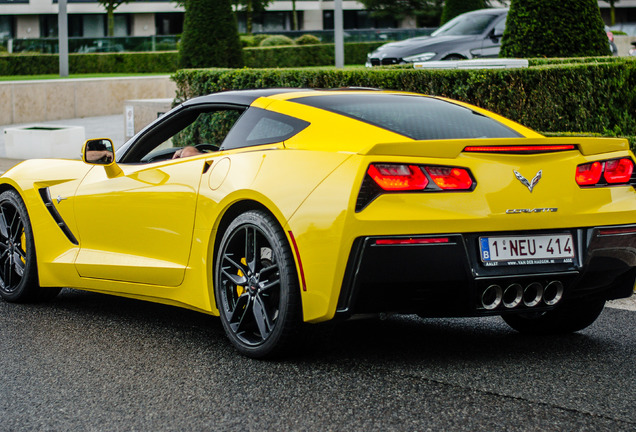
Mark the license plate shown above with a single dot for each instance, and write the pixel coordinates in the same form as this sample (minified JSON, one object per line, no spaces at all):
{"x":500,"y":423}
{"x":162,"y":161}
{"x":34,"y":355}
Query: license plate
{"x":524,"y":250}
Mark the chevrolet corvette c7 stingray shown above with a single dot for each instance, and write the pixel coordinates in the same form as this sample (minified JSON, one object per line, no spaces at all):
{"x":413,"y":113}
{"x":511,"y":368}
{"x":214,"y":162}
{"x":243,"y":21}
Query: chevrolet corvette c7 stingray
{"x":304,"y":206}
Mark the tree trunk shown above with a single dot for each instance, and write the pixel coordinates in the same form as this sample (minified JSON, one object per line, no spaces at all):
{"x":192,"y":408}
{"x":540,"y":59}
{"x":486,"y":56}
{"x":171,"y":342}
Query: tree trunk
{"x":248,"y":15}
{"x":294,"y":15}
{"x":110,"y":12}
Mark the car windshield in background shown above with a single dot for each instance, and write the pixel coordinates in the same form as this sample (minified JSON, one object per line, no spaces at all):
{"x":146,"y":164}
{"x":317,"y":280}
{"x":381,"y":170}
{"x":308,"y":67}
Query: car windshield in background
{"x":465,"y":25}
{"x":416,"y":117}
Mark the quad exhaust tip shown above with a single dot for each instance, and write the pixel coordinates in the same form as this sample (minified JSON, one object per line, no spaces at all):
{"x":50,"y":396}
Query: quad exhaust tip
{"x":515,"y":294}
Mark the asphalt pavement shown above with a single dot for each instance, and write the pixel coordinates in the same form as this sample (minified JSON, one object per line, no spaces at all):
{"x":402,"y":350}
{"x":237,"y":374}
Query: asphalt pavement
{"x":91,"y":362}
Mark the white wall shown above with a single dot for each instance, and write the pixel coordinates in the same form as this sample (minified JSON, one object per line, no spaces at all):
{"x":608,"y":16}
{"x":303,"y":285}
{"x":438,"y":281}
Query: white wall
{"x":143,"y":24}
{"x":27,"y":26}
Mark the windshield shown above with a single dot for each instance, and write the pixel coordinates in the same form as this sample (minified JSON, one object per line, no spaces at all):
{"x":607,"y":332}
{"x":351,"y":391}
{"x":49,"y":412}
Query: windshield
{"x":465,"y":25}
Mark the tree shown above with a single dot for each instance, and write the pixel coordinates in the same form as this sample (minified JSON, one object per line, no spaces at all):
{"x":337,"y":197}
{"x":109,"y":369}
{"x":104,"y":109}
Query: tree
{"x":427,"y":12}
{"x":251,"y":7}
{"x":110,"y":6}
{"x":612,"y":11}
{"x":452,"y":8}
{"x":210,"y":37}
{"x":554,"y":28}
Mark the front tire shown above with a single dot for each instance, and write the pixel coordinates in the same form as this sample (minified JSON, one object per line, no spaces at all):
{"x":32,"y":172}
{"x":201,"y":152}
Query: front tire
{"x":256,"y":286}
{"x":568,"y":318}
{"x":18,"y":267}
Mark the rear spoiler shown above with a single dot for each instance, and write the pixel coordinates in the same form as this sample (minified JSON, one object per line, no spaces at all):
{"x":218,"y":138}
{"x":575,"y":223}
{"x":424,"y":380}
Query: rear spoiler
{"x":452,"y":148}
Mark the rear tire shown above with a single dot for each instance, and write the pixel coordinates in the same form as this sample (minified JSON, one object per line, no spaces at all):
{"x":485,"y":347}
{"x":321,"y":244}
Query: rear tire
{"x":18,"y":266}
{"x":256,"y":286}
{"x":568,"y":318}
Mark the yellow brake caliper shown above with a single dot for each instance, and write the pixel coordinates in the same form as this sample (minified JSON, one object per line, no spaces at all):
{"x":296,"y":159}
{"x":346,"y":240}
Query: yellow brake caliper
{"x":239,"y":288}
{"x":23,"y":246}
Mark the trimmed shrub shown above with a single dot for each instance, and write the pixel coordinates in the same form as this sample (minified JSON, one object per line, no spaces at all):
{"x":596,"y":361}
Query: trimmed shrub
{"x":167,"y":62}
{"x":210,"y":37}
{"x":307,"y":39}
{"x":554,"y":28}
{"x":276,"y":40}
{"x":452,"y":8}
{"x":42,"y":64}
{"x":248,"y":41}
{"x":306,"y":55}
{"x":599,"y":98}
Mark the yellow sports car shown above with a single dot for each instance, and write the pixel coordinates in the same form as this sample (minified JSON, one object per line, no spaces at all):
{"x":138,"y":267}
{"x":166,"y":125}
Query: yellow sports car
{"x":278,"y":207}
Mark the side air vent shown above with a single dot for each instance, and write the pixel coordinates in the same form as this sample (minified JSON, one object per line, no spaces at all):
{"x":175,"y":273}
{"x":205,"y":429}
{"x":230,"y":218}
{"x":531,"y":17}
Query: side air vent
{"x":46,"y":197}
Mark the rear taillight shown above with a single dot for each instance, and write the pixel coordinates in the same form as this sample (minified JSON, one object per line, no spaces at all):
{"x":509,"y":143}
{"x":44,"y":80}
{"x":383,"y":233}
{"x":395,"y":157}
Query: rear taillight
{"x":447,"y":178}
{"x":396,"y":177}
{"x":618,"y":171}
{"x":390,"y":177}
{"x":589,"y":174}
{"x":603,"y":173}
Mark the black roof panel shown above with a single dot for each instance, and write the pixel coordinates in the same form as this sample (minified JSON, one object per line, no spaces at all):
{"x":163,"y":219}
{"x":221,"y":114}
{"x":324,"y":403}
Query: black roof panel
{"x":240,"y":97}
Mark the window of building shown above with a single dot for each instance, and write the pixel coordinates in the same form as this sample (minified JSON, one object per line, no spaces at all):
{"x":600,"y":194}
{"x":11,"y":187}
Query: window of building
{"x":169,"y":23}
{"x":6,"y":27}
{"x":357,"y":19}
{"x":48,"y":26}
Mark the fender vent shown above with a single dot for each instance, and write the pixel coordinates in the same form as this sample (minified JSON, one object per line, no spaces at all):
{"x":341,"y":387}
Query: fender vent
{"x":46,"y":197}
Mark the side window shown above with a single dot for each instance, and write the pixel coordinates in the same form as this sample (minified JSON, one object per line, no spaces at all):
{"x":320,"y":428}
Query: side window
{"x":499,"y":28}
{"x":258,"y":126}
{"x":209,"y":128}
{"x":204,"y":128}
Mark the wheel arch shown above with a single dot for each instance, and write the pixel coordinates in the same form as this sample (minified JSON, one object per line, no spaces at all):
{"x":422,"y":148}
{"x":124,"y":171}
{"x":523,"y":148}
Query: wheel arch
{"x":8,"y":186}
{"x":455,"y":56}
{"x":233,"y":211}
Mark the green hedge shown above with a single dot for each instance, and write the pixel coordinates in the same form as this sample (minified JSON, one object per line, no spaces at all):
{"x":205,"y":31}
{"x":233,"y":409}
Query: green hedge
{"x":306,"y":55}
{"x":554,"y":28}
{"x":41,"y":64}
{"x":167,"y":61}
{"x":598,"y":98}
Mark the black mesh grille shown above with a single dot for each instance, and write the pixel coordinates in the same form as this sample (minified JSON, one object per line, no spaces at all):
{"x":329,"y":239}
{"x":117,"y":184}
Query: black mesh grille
{"x":368,"y":192}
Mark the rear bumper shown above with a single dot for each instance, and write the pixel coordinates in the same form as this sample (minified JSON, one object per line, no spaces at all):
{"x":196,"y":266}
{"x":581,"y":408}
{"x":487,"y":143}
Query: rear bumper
{"x":449,"y":279}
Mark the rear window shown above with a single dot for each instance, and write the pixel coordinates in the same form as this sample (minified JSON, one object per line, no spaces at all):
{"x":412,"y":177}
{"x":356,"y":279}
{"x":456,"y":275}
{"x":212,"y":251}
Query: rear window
{"x":416,"y":117}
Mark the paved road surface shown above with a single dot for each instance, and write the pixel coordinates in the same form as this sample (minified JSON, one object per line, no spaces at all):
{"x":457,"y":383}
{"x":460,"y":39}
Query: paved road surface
{"x":92,"y":362}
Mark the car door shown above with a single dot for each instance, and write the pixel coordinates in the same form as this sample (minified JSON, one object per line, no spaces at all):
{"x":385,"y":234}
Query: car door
{"x":138,"y":226}
{"x":491,"y":44}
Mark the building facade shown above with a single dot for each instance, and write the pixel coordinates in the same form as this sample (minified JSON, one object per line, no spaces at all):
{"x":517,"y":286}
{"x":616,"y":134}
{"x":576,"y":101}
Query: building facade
{"x":87,"y":18}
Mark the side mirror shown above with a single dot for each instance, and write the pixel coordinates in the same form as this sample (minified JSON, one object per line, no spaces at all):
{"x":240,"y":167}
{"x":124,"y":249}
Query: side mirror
{"x":496,"y":34}
{"x":98,"y":151}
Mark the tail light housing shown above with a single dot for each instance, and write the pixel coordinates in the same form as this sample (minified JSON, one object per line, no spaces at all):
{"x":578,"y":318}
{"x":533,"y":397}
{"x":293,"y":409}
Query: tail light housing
{"x":589,"y":174}
{"x":382,"y":178}
{"x":450,"y":178}
{"x":618,"y":171}
{"x":394,"y":177}
{"x":609,"y":172}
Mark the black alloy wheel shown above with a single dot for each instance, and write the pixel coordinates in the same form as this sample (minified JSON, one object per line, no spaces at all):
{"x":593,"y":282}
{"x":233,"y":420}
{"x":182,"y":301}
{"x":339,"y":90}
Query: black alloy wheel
{"x":256,"y":286}
{"x":18,"y":268}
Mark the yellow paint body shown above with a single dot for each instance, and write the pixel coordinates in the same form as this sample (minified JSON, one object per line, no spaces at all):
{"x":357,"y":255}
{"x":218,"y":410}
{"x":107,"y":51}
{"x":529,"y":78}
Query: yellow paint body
{"x":150,"y":231}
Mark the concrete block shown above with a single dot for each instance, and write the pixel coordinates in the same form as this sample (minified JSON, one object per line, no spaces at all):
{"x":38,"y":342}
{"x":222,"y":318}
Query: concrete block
{"x":35,"y":142}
